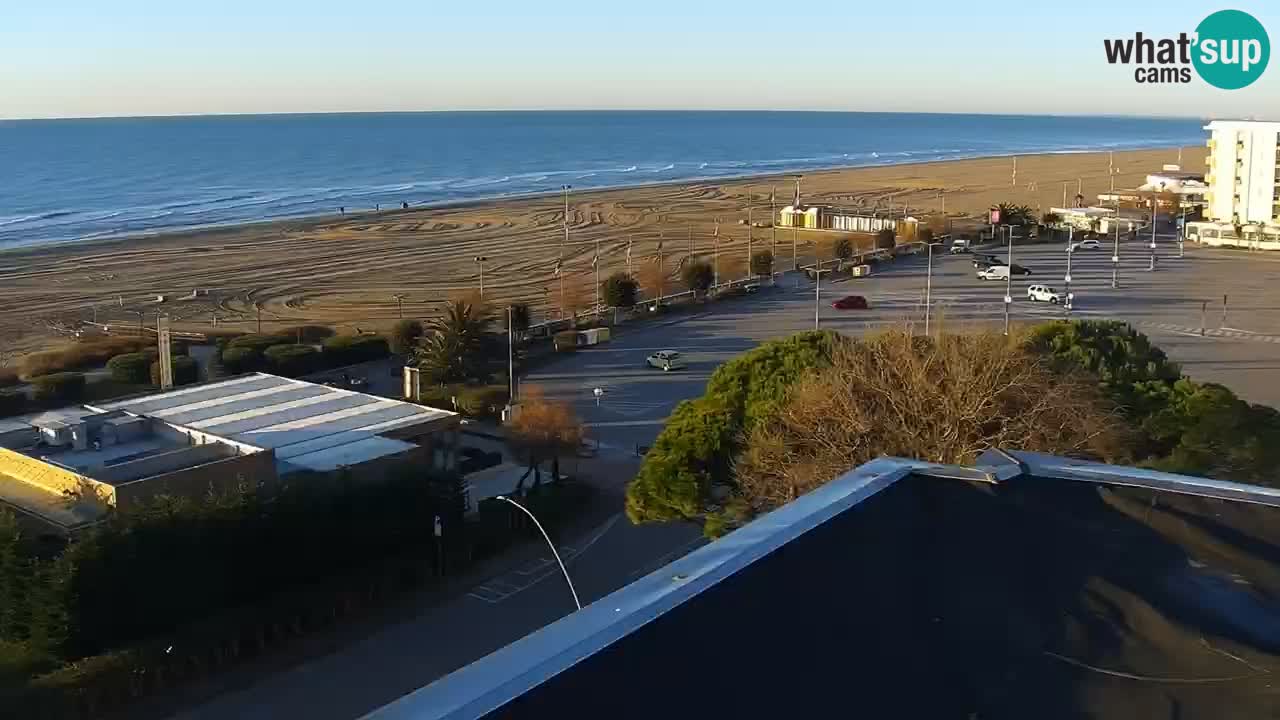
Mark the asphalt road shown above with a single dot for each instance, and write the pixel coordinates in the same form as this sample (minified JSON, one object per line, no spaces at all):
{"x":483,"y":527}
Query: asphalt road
{"x":1165,"y":304}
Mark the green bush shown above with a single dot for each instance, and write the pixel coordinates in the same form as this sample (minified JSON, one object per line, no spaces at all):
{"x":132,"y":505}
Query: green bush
{"x":697,"y":276}
{"x":404,"y":336}
{"x":292,"y":360}
{"x":64,"y":387}
{"x":619,"y":290}
{"x":185,"y":371}
{"x":352,"y":349}
{"x":130,"y":367}
{"x":694,"y":452}
{"x":842,"y":248}
{"x":238,"y":360}
{"x":78,"y":356}
{"x":886,"y":240}
{"x":259,"y":343}
{"x":482,"y":401}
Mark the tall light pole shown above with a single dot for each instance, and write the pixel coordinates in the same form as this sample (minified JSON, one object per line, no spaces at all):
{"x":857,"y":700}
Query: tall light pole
{"x":1155,"y":206}
{"x":817,"y":292}
{"x":1067,"y":277}
{"x":928,"y":290}
{"x":661,"y":277}
{"x":550,"y":544}
{"x":691,"y":252}
{"x":715,"y":262}
{"x":399,"y":304}
{"x":773,"y":226}
{"x":480,"y":261}
{"x":1008,"y":282}
{"x":749,"y":234}
{"x":564,"y":189}
{"x":795,"y":265}
{"x":1115,"y":252}
{"x":511,"y":359}
{"x":595,"y":263}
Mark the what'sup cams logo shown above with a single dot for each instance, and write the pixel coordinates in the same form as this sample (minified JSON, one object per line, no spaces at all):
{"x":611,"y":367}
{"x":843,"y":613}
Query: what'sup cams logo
{"x":1229,"y":50}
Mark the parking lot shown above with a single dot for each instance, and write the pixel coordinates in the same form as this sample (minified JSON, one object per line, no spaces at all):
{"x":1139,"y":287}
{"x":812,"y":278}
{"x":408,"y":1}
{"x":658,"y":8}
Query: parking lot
{"x":1241,"y":351}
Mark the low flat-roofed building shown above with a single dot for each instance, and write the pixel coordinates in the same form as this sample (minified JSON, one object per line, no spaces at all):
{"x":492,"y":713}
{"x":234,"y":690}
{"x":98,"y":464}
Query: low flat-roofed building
{"x":67,"y":468}
{"x":1024,"y":586}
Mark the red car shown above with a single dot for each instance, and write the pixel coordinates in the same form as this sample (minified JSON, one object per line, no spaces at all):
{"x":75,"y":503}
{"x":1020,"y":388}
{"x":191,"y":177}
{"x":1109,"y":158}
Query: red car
{"x":851,"y":302}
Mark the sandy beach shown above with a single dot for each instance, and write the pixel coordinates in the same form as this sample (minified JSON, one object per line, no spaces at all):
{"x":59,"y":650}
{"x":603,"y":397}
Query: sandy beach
{"x":346,"y":271}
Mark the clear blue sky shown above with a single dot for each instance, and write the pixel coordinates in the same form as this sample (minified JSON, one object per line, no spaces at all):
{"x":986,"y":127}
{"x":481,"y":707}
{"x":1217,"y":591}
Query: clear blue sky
{"x":63,"y":58}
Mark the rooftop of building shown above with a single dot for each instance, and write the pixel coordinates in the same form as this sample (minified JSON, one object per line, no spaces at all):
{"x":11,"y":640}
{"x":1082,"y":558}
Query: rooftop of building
{"x":309,"y":426}
{"x":1025,"y":586}
{"x":1237,"y":125}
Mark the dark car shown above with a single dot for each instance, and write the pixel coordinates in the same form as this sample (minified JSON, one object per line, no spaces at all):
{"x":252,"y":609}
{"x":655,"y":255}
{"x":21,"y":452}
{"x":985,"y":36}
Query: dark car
{"x":1017,"y":269}
{"x":986,"y":261}
{"x":851,"y":302}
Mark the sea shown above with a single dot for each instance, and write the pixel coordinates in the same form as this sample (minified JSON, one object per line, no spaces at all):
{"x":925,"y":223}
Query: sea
{"x":76,"y":180}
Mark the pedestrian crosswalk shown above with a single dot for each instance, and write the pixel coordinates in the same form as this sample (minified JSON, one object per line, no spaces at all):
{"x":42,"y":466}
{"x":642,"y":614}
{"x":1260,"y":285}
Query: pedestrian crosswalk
{"x":1221,"y":332}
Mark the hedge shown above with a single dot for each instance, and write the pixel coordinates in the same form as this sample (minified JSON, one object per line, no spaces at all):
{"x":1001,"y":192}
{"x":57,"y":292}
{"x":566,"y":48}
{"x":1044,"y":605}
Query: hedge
{"x":292,"y":360}
{"x":306,"y":333}
{"x":130,"y":367}
{"x":351,"y":349}
{"x":259,"y":342}
{"x":185,"y":371}
{"x":64,"y":387}
{"x":79,"y":356}
{"x":238,"y":360}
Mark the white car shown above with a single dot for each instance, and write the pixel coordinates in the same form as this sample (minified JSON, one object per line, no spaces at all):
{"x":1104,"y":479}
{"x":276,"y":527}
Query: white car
{"x":1084,"y":245}
{"x":665,"y":360}
{"x":994,"y":272}
{"x":1044,"y":293}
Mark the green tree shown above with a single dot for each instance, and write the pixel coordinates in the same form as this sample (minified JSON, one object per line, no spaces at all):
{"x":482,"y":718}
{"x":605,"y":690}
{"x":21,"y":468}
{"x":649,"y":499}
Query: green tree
{"x":1013,"y":214}
{"x":130,"y":368}
{"x":545,"y":428}
{"x":886,"y":239}
{"x":842,"y":248}
{"x":762,"y":263}
{"x":351,"y":349}
{"x":693,"y":454}
{"x":459,"y":345}
{"x":404,"y":336}
{"x":619,"y":290}
{"x":697,"y":276}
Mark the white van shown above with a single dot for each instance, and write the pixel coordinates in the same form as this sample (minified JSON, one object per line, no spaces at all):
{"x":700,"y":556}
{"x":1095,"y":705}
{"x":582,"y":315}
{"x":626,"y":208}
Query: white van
{"x":959,"y":245}
{"x":994,"y":272}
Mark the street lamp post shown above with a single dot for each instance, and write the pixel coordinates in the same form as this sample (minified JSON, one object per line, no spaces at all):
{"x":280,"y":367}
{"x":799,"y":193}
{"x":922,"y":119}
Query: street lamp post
{"x":1067,"y":278}
{"x":749,"y":233}
{"x":564,"y":189}
{"x":1115,"y":252}
{"x":715,"y":255}
{"x":928,"y":290}
{"x":480,"y":261}
{"x":550,"y":544}
{"x":595,"y":262}
{"x":1151,"y":265}
{"x":1008,"y":283}
{"x":817,"y":291}
{"x":399,"y":304}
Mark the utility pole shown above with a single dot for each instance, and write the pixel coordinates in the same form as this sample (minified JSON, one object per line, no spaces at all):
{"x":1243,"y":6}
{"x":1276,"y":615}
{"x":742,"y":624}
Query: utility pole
{"x":595,"y":263}
{"x":773,"y":227}
{"x":1067,"y":279}
{"x":661,"y":277}
{"x":1155,"y":207}
{"x":399,"y":304}
{"x":256,"y":305}
{"x":1182,"y":230}
{"x":565,"y":190}
{"x":1008,"y":284}
{"x":715,"y":283}
{"x":749,"y":233}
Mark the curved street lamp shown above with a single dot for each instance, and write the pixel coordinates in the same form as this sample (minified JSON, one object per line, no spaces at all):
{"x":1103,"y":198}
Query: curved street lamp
{"x":552,"y":545}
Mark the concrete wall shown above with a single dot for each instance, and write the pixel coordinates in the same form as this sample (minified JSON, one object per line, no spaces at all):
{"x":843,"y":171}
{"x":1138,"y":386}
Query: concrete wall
{"x":220,"y":476}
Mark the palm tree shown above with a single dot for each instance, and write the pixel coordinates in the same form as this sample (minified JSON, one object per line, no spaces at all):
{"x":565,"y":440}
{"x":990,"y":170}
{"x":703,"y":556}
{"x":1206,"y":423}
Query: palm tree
{"x":458,"y":345}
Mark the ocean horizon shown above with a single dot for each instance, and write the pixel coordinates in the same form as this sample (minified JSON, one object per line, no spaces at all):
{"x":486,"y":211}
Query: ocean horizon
{"x":80,"y":179}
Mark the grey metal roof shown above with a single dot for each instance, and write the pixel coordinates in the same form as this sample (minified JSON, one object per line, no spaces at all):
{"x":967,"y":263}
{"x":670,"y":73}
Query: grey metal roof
{"x":493,"y":681}
{"x":313,"y":426}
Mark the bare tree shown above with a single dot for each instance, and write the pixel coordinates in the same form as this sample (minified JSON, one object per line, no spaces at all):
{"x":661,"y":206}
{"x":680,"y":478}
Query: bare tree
{"x":544,"y":429}
{"x":942,"y":399}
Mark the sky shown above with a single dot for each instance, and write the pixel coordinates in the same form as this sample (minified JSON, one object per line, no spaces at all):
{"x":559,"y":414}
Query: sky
{"x":83,"y":58}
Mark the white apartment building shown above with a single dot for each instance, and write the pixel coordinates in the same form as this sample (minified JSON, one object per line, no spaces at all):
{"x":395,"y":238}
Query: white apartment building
{"x":1242,"y":205}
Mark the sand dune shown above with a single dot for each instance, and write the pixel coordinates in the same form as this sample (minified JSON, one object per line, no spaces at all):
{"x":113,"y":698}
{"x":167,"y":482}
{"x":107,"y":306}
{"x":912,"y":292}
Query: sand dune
{"x":345,"y":271}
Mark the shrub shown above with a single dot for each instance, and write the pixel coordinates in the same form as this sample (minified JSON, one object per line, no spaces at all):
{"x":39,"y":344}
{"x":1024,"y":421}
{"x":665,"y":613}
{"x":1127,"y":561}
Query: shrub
{"x":482,"y":401}
{"x":64,"y":387}
{"x":292,"y":360}
{"x":78,"y":356}
{"x":238,"y":360}
{"x":8,"y":377}
{"x":697,"y":276}
{"x":762,"y":263}
{"x":306,"y":333}
{"x":619,"y":290}
{"x":886,"y":240}
{"x":351,"y":349}
{"x":259,"y":342}
{"x":130,"y":367}
{"x":842,"y":249}
{"x":404,"y":336}
{"x":185,"y":371}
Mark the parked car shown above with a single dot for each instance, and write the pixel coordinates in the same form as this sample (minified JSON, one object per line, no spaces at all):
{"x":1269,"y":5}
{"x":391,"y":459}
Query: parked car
{"x":994,"y":272}
{"x":851,"y":302}
{"x":665,"y":360}
{"x":1084,"y":245}
{"x":1044,"y":293}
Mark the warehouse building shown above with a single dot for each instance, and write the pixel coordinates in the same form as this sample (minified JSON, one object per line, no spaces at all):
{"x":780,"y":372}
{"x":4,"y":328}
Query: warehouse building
{"x":64,"y":470}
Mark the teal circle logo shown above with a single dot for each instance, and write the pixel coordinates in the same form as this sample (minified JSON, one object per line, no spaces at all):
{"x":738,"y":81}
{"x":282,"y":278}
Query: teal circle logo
{"x":1232,"y":49}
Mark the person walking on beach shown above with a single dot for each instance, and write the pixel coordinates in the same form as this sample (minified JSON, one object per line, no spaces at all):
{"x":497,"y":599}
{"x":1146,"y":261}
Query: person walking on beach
{"x":342,"y":211}
{"x":404,"y":206}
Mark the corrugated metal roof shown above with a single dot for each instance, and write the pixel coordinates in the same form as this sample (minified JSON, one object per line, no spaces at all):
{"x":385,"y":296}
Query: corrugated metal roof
{"x":312,"y":426}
